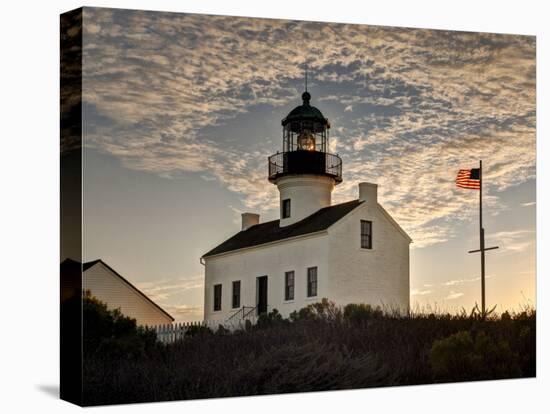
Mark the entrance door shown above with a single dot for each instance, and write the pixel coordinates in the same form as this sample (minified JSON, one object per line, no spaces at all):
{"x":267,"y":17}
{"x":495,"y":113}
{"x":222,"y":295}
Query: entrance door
{"x":261,"y":288}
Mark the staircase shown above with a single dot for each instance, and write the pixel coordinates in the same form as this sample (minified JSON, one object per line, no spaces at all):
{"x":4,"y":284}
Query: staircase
{"x":241,"y":315}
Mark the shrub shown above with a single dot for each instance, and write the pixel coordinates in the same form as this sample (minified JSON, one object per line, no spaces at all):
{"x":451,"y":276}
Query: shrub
{"x":222,"y":330}
{"x":360,"y":312}
{"x":462,"y":356}
{"x":201,"y":330}
{"x":273,"y":318}
{"x":110,"y":334}
{"x":313,"y":353}
{"x":310,"y":366}
{"x":325,"y":310}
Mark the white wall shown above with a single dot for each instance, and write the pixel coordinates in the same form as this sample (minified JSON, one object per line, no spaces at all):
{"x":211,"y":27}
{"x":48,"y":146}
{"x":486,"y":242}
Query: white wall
{"x":377,"y":276}
{"x":116,"y":293}
{"x":273,"y":260}
{"x":346,"y":272}
{"x":307,"y":194}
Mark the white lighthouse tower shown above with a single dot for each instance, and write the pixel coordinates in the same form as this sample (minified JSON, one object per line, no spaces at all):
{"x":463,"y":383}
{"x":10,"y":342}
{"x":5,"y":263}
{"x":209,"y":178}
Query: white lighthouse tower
{"x":305,"y":173}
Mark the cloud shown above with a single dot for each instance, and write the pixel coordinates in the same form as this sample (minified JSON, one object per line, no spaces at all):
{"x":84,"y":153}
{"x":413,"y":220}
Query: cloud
{"x":185,"y":313}
{"x":430,"y":288}
{"x":163,"y":290}
{"x":454,"y":295}
{"x":512,"y":241}
{"x":419,"y":292}
{"x":457,"y":282}
{"x":170,"y":293}
{"x":460,"y":282}
{"x":425,"y":103}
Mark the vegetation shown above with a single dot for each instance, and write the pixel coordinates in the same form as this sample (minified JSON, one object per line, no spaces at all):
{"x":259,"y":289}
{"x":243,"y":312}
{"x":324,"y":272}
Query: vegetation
{"x":109,"y":335}
{"x":320,"y":347}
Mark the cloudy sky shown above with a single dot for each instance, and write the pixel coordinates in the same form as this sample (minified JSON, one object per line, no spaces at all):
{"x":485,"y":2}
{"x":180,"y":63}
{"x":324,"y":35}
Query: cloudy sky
{"x":181,"y":112}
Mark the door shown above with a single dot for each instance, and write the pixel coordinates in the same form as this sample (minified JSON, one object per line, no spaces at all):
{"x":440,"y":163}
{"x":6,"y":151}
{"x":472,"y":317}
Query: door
{"x":261,"y":288}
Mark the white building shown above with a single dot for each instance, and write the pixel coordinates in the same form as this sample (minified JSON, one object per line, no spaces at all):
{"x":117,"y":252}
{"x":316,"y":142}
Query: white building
{"x":352,"y":252}
{"x":115,"y":291}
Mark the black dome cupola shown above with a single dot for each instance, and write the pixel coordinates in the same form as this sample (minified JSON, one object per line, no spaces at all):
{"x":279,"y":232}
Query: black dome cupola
{"x":305,"y":145}
{"x":305,"y":127}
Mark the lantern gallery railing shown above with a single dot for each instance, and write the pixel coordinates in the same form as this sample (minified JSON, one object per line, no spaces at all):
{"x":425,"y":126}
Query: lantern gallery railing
{"x":305,"y":162}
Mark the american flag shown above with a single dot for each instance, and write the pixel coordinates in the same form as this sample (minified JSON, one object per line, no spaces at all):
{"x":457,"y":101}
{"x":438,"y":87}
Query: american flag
{"x":468,"y":179}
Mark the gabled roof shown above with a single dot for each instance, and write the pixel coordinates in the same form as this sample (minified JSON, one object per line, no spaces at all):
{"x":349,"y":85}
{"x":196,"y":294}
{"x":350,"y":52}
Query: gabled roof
{"x":271,"y":231}
{"x":395,"y":223}
{"x":88,"y":265}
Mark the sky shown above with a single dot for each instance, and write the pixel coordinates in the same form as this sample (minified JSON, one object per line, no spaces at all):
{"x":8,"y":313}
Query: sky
{"x":181,"y":111}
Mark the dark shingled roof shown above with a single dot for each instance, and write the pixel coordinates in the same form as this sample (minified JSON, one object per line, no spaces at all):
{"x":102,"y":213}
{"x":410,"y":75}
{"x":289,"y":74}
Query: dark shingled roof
{"x":271,"y":231}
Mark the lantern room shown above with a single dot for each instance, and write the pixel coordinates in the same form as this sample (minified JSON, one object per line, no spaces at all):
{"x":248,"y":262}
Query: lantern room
{"x":305,"y":145}
{"x":305,"y":128}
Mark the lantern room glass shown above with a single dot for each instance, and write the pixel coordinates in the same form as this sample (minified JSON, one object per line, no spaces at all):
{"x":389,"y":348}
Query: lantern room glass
{"x":305,"y":135}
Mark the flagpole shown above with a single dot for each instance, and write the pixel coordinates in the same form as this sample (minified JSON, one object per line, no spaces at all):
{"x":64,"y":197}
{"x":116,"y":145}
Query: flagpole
{"x":481,"y":240}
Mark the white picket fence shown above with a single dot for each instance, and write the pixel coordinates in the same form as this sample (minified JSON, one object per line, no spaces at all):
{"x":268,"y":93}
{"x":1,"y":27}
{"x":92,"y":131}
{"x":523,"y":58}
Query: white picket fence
{"x":169,"y":333}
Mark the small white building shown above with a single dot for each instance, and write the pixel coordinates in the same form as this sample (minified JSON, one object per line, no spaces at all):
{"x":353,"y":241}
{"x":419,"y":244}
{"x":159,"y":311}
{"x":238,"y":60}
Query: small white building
{"x":115,"y":291}
{"x":353,"y":252}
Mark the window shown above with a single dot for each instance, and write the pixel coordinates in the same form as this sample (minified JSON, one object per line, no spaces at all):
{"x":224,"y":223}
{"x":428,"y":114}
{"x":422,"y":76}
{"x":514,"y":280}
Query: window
{"x":217,"y":297}
{"x":366,"y":234}
{"x":236,"y":298}
{"x":311,"y":281}
{"x":289,"y":285}
{"x":286,"y":208}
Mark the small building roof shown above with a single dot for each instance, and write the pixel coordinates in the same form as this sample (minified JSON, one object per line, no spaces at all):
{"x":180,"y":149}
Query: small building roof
{"x":88,"y":265}
{"x":271,"y":231}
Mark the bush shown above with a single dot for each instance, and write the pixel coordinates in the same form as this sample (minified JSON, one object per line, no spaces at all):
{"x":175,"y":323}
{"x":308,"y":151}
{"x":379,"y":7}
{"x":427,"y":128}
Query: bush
{"x":356,"y":313}
{"x":313,"y":352}
{"x":273,"y":318}
{"x":325,"y":310}
{"x":201,"y":330}
{"x":462,"y":356}
{"x":310,"y":366}
{"x":110,"y":334}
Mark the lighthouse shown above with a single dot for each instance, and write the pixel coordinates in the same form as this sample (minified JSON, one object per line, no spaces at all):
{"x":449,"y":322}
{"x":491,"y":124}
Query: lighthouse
{"x":305,"y":173}
{"x":352,"y":252}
